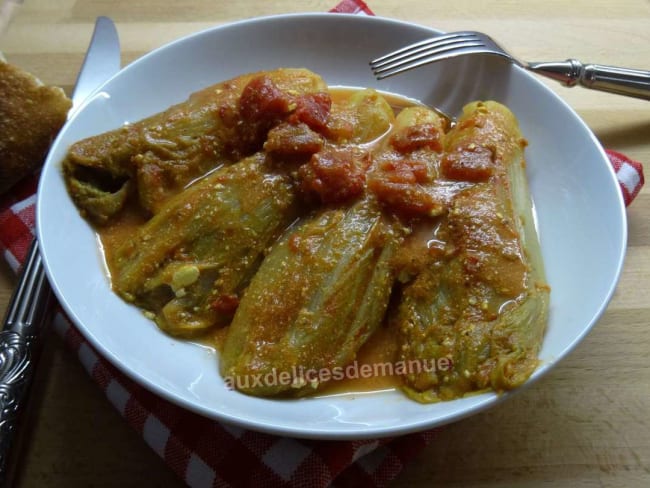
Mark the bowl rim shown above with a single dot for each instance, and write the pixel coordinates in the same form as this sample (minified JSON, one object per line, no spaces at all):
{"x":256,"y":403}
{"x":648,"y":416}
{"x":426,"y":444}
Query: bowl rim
{"x":312,"y":432}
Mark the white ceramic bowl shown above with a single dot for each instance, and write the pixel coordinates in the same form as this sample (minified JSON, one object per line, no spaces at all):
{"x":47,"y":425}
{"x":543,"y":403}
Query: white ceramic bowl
{"x":580,"y":212}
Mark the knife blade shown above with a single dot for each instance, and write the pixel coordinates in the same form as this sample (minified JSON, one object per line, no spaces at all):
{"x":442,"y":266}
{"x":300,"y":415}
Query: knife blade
{"x":101,"y":62}
{"x":28,"y":311}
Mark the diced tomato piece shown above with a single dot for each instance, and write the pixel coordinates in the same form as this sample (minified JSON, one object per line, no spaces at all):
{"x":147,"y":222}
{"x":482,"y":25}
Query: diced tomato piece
{"x":293,"y":140}
{"x":417,"y":137}
{"x":313,"y":109}
{"x":471,"y":163}
{"x":261,"y":100}
{"x":226,"y":304}
{"x":398,"y":184}
{"x":335,"y":175}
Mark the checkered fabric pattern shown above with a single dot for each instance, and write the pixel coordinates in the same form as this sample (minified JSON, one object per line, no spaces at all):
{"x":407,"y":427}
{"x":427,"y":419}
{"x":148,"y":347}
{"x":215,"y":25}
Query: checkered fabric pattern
{"x":205,"y":453}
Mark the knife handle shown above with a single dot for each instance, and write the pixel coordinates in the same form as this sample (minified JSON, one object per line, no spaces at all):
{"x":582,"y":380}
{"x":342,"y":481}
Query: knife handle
{"x":19,"y":347}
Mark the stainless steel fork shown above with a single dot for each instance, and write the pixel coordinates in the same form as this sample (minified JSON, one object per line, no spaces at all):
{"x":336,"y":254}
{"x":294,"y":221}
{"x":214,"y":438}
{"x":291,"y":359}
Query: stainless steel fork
{"x":623,"y":81}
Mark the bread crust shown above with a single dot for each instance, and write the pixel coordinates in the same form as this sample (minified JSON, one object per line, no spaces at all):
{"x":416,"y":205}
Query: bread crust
{"x":31,"y":115}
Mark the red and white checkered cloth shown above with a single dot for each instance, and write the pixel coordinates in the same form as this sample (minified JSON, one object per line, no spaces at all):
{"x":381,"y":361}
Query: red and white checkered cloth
{"x":205,"y":453}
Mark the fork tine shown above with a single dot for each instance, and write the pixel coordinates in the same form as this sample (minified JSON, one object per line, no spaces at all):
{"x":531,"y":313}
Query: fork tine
{"x":430,"y":46}
{"x":432,"y":42}
{"x":425,"y":56}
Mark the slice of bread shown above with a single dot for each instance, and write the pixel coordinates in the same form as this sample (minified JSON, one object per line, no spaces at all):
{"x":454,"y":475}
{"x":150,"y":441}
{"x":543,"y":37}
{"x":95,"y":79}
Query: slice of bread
{"x":31,"y":115}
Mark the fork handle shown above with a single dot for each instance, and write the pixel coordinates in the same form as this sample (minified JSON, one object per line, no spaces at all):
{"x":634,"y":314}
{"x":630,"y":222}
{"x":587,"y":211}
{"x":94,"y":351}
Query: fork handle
{"x":20,"y":341}
{"x":624,"y":81}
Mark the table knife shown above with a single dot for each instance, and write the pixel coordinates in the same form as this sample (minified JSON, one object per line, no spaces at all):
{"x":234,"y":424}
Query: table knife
{"x":28,"y":311}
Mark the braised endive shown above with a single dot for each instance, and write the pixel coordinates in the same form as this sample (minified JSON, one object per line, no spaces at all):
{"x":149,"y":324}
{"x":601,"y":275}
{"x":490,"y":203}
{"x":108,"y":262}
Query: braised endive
{"x":156,"y":157}
{"x":317,"y":297}
{"x":188,"y":263}
{"x":482,"y":300}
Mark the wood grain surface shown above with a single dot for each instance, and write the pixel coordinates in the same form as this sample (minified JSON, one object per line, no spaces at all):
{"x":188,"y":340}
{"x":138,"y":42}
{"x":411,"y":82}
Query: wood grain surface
{"x":585,"y":424}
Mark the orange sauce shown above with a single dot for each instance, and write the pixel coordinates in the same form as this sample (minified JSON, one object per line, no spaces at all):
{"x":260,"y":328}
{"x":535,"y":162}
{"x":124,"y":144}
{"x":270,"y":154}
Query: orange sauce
{"x":111,"y":236}
{"x":378,"y":355}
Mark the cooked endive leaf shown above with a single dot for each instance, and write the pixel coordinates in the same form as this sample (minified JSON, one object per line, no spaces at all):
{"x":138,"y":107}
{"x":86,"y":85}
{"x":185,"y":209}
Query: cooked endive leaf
{"x":372,"y":116}
{"x":361,"y":118}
